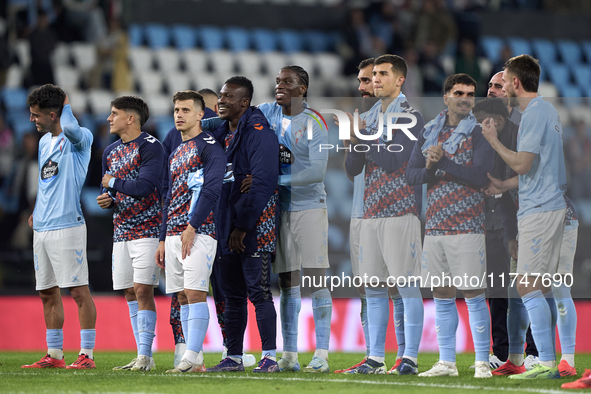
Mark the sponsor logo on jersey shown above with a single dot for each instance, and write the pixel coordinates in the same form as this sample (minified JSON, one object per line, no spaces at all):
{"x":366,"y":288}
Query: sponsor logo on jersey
{"x":285,"y":155}
{"x":49,"y":171}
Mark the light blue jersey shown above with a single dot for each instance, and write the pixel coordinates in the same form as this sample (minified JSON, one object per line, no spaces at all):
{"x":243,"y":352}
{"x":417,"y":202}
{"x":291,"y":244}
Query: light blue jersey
{"x":62,"y":171}
{"x":358,"y":188}
{"x":295,"y":155}
{"x":540,"y":132}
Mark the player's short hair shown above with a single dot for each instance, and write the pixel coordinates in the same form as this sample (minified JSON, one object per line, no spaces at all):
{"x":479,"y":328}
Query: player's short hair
{"x":189,"y":95}
{"x":527,"y":69}
{"x":208,"y":92}
{"x":455,"y":79}
{"x":303,"y":77}
{"x":491,"y":106}
{"x":397,"y":62}
{"x":133,"y":104}
{"x":49,"y":98}
{"x":243,"y":82}
{"x":367,"y":62}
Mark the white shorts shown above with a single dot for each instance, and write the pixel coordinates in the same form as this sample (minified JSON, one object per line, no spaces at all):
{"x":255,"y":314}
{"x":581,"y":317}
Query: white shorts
{"x":461,"y":258}
{"x":134,"y":262}
{"x":303,"y":241}
{"x":390,"y":247}
{"x":60,"y":258}
{"x":354,"y":239}
{"x":540,"y":238}
{"x":567,"y":251}
{"x":194,"y":271}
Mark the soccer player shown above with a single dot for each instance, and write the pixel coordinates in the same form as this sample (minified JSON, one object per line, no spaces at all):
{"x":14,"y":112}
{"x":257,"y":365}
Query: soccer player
{"x":518,"y":318}
{"x":196,"y":172}
{"x":303,"y":233}
{"x":247,"y":223}
{"x":539,"y":161}
{"x":366,"y":90}
{"x":390,"y":234}
{"x":453,"y":158}
{"x":59,"y":229}
{"x":132,"y":168}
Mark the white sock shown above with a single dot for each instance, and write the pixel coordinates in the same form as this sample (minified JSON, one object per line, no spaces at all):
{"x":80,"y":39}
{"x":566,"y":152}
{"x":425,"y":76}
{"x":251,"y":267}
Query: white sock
{"x":236,"y":359}
{"x":290,"y":356}
{"x":516,"y":358}
{"x":200,"y":358}
{"x":413,"y":359}
{"x":322,"y":353}
{"x":180,"y":348}
{"x":569,"y":358}
{"x":88,"y":352}
{"x":191,"y":356}
{"x":449,"y":363}
{"x":549,"y":364}
{"x":58,"y":354}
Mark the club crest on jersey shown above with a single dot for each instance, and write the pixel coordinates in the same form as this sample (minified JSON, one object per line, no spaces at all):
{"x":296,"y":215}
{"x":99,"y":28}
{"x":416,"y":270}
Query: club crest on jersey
{"x":285,"y":155}
{"x":49,"y":171}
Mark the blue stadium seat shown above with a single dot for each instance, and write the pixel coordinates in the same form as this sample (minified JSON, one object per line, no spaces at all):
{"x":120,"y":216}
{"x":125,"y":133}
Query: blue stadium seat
{"x":559,"y":75}
{"x":572,"y":94}
{"x":519,"y":46}
{"x":211,"y":38}
{"x":570,"y":51}
{"x":157,"y":35}
{"x":264,"y":40}
{"x":14,"y":99}
{"x":183,"y":36}
{"x":237,"y":39}
{"x":335,"y":38}
{"x":317,"y":41}
{"x":587,"y":50}
{"x":492,"y":47}
{"x":163,"y":124}
{"x":289,"y":41}
{"x":136,"y":35}
{"x":582,"y":74}
{"x":544,"y":50}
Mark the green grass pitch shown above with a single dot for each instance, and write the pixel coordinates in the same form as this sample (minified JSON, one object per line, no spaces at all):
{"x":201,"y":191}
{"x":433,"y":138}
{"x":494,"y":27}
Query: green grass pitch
{"x":104,"y":380}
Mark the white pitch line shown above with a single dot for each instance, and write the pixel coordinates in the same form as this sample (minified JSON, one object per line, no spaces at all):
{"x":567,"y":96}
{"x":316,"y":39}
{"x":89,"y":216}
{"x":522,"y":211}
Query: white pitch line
{"x":320,"y":380}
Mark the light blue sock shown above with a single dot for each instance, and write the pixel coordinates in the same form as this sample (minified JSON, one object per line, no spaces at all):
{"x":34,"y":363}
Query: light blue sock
{"x":479,"y":316}
{"x":146,"y":323}
{"x":185,"y":321}
{"x":54,"y":338}
{"x":197,"y":325}
{"x":133,"y":309}
{"x":541,"y":323}
{"x":413,"y":319}
{"x":269,"y":353}
{"x":364,"y":323}
{"x":322,"y":311}
{"x":446,"y":325}
{"x":567,"y":318}
{"x":399,"y":324}
{"x":554,"y":315}
{"x":517,"y":322}
{"x":87,"y":339}
{"x":291,"y":303}
{"x":378,"y":314}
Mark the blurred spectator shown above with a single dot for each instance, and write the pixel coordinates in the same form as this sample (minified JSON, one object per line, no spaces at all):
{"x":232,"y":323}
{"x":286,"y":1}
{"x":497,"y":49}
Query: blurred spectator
{"x":95,"y":27}
{"x":4,"y":52}
{"x":102,"y":139}
{"x":467,"y":62}
{"x":436,"y":24}
{"x":505,"y":55}
{"x":6,"y":150}
{"x":360,"y":43}
{"x":431,"y":70}
{"x":24,"y":190}
{"x":578,"y":153}
{"x":413,"y":86}
{"x":386,"y":29}
{"x":112,"y":70}
{"x":43,"y":42}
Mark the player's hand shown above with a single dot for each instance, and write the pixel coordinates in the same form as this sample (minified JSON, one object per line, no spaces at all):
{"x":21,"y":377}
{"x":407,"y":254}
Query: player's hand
{"x":30,"y":221}
{"x":104,"y":201}
{"x":495,"y":186}
{"x":106,"y":179}
{"x":187,"y":239}
{"x":235,"y":241}
{"x":245,"y":185}
{"x":160,"y":262}
{"x":352,"y":137}
{"x":513,"y":247}
{"x":66,"y":100}
{"x":489,"y":130}
{"x":434,"y":154}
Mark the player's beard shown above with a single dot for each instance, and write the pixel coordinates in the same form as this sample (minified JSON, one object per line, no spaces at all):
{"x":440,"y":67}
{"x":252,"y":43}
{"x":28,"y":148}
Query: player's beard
{"x":367,"y":103}
{"x":513,"y":101}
